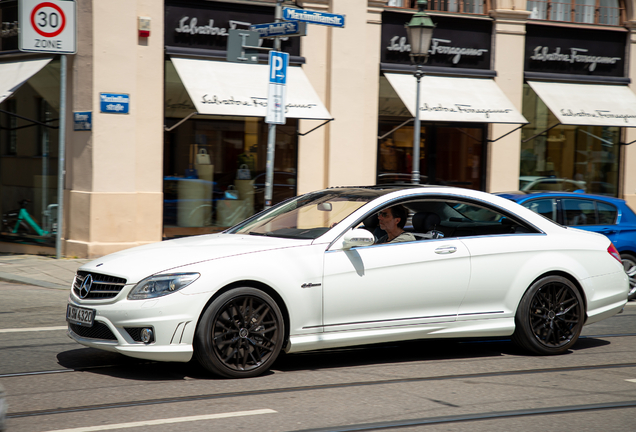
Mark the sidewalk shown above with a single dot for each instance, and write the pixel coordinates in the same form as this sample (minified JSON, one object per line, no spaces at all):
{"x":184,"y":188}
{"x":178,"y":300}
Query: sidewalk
{"x":38,"y":270}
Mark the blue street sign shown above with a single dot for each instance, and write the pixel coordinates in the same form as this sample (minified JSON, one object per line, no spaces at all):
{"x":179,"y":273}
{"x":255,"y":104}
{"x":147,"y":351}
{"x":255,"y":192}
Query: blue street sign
{"x":82,"y":120}
{"x":278,"y":67}
{"x":314,"y":17}
{"x":114,"y":103}
{"x":286,"y":28}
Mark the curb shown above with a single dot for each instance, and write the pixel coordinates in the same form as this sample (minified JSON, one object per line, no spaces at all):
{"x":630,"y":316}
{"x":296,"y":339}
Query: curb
{"x":8,"y":277}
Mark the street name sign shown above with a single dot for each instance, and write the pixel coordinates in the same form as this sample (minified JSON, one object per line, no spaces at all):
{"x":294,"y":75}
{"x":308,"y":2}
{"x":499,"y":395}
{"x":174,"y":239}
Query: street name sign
{"x":285,"y":28}
{"x":114,"y":103}
{"x":278,"y":62}
{"x":47,"y":26}
{"x":314,"y":17}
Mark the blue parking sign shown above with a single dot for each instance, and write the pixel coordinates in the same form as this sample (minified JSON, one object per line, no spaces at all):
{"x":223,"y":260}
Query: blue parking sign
{"x":278,"y":67}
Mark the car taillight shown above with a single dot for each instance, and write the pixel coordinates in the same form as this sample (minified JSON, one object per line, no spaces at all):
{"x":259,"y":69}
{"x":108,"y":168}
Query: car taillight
{"x":611,"y":249}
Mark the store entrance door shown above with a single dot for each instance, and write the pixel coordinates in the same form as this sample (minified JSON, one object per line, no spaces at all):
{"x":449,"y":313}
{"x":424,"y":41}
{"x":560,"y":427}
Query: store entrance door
{"x":451,"y":154}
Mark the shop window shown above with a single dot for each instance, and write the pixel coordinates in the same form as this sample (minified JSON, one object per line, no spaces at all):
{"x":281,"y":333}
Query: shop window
{"x":29,"y":159}
{"x":457,"y":6}
{"x":214,"y":172}
{"x":608,"y":12}
{"x":566,"y":158}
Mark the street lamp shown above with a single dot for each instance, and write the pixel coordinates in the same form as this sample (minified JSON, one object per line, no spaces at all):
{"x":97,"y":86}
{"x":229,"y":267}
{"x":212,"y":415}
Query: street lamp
{"x":420,"y":32}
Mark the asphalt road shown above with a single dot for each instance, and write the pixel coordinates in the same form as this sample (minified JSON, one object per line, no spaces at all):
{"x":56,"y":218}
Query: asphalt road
{"x":488,"y":385}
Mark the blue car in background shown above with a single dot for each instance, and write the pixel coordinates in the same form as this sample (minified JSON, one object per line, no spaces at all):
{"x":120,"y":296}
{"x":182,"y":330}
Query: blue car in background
{"x":602,"y":214}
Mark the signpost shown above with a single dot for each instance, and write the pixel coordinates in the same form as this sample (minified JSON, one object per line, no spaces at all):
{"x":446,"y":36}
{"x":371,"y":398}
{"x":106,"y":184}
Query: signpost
{"x":47,"y":26}
{"x":314,"y":17}
{"x":278,"y":62}
{"x":294,"y":25}
{"x":289,"y":28}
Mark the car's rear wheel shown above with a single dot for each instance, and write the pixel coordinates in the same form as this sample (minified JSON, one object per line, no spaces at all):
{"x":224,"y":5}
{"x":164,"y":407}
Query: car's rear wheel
{"x":549,"y":317}
{"x":240,"y":334}
{"x":629,"y":262}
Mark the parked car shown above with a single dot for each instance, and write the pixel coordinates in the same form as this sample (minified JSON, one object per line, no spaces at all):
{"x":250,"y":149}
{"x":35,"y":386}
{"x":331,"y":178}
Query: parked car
{"x":307,"y":274}
{"x":598,"y":213}
{"x":531,"y":183}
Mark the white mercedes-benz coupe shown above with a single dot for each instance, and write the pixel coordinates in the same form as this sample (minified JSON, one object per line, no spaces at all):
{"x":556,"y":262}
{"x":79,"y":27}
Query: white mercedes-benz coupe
{"x":311,"y":273}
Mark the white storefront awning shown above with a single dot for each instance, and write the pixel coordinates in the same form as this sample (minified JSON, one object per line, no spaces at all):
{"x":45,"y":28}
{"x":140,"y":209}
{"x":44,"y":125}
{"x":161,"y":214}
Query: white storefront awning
{"x":235,"y":89}
{"x":456,"y":99}
{"x":588,"y":104}
{"x":15,"y":73}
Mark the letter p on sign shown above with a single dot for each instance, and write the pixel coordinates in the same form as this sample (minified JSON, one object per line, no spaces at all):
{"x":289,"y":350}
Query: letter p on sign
{"x":278,"y":67}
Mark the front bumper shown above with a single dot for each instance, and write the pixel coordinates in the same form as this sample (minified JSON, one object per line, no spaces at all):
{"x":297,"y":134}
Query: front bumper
{"x":172,"y":318}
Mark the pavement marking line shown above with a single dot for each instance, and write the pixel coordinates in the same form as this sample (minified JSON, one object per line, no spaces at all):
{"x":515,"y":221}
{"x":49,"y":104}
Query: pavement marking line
{"x":167,"y":421}
{"x":32,"y":329}
{"x":631,"y":380}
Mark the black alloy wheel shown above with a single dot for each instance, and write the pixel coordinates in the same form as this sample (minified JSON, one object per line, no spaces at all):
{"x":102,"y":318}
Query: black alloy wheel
{"x":240,"y":334}
{"x":629,"y":263}
{"x":550,"y":316}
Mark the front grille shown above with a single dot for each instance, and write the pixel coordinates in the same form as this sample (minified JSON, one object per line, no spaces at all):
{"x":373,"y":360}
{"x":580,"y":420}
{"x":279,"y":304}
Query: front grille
{"x":134,"y":332}
{"x":103,"y":286}
{"x":97,"y":331}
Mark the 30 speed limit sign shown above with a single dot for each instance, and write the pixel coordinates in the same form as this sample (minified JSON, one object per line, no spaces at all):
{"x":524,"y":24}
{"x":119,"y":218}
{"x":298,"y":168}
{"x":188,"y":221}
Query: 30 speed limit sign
{"x":47,"y":26}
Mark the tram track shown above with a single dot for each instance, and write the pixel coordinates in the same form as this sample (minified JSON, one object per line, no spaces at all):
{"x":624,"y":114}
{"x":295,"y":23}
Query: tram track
{"x":465,"y":418}
{"x":297,"y":389}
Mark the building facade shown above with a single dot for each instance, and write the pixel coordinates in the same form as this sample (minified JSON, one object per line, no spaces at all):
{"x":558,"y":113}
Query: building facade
{"x":513,"y":92}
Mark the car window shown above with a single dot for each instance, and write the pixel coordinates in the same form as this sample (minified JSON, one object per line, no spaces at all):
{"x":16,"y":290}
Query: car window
{"x":579,"y":212}
{"x":308,"y":216}
{"x":545,"y":207}
{"x":607,"y":213}
{"x":460,"y":219}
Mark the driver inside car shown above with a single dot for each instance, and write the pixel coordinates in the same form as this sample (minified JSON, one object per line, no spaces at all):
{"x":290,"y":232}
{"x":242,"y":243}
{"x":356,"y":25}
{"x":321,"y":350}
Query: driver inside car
{"x":392,"y":220}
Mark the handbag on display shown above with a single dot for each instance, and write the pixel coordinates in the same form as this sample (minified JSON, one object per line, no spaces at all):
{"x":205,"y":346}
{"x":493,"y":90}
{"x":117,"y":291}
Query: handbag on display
{"x":231,"y":193}
{"x":243,"y":173}
{"x":203,"y":157}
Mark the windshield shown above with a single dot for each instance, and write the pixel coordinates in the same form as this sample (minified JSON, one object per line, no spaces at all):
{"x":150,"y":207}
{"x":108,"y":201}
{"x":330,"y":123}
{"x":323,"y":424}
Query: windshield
{"x":308,"y":216}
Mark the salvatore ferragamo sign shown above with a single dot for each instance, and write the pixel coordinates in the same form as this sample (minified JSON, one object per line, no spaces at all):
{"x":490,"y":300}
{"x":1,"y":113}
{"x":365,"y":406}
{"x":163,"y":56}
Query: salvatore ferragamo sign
{"x":208,"y":25}
{"x":575,"y":51}
{"x":457,"y":42}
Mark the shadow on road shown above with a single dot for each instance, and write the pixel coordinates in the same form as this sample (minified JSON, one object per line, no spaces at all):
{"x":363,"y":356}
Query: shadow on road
{"x":120,"y":366}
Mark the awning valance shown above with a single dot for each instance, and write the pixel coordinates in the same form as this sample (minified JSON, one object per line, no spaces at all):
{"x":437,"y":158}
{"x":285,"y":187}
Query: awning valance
{"x":235,"y":89}
{"x":15,"y":73}
{"x":588,"y":104}
{"x":456,"y":99}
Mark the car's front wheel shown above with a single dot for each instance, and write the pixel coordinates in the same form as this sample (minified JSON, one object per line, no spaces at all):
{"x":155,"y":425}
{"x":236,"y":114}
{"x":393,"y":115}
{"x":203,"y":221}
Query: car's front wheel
{"x":629,"y":262}
{"x":240,"y":334}
{"x":549,"y":317}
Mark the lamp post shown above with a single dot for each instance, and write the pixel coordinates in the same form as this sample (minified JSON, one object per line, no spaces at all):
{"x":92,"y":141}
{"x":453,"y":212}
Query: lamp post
{"x":420,"y":32}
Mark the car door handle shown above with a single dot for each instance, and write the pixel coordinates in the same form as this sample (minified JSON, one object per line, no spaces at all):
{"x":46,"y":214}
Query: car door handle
{"x":446,"y":250}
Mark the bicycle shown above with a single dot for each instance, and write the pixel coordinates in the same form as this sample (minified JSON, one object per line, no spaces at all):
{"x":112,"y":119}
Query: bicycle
{"x":20,"y":221}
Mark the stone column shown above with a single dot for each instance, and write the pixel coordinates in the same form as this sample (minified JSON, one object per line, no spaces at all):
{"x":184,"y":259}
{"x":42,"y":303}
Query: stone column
{"x":114,"y":184}
{"x":627,"y":179}
{"x":509,"y":44}
{"x":343,"y":64}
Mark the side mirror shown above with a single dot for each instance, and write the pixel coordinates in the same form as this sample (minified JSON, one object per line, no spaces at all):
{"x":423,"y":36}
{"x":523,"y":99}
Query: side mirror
{"x":324,"y":207}
{"x":357,"y":237}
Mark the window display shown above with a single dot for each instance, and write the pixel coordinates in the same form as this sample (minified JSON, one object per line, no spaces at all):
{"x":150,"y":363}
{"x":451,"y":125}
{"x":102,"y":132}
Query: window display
{"x":214,"y":172}
{"x":566,"y":158}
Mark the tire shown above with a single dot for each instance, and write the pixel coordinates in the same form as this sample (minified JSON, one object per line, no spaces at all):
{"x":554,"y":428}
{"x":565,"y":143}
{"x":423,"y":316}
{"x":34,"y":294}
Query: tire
{"x":629,"y":263}
{"x":240,"y":334}
{"x":550,"y":316}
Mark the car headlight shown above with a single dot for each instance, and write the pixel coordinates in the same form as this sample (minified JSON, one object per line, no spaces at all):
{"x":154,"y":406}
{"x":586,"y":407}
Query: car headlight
{"x":161,"y":285}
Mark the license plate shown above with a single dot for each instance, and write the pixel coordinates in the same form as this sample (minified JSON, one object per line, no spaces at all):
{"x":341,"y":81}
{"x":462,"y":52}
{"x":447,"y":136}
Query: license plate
{"x":81,"y":316}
